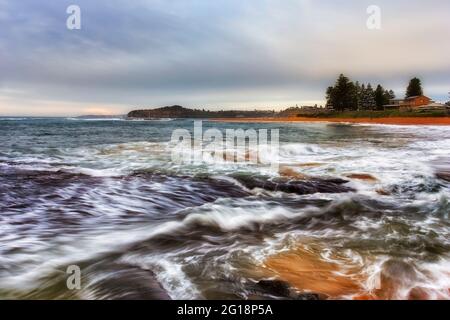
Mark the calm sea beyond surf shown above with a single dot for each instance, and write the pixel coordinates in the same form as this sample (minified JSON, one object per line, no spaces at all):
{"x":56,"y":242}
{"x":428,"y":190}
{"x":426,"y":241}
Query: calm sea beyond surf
{"x":354,"y":212}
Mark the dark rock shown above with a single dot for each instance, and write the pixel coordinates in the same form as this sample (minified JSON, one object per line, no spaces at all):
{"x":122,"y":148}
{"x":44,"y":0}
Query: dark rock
{"x":124,"y":282}
{"x":314,"y":185}
{"x":444,"y":175}
{"x":442,"y":168}
{"x":283,"y":289}
{"x":308,"y":296}
{"x":276,"y":287}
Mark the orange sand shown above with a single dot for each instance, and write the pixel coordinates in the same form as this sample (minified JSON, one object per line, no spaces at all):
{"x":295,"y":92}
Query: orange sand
{"x":441,"y":121}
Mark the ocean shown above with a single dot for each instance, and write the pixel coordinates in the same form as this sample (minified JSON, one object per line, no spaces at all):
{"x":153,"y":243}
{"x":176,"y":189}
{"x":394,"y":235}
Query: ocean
{"x":353,"y":212}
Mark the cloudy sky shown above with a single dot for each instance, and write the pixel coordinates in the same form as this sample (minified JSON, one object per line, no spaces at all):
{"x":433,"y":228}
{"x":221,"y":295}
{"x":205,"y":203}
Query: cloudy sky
{"x":212,"y":54}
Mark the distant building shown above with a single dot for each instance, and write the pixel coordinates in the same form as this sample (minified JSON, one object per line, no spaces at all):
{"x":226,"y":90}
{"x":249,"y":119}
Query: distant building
{"x":408,"y":104}
{"x":433,"y":107}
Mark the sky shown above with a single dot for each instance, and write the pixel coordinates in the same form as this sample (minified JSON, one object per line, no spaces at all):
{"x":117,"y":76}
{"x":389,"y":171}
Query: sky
{"x":221,"y":54}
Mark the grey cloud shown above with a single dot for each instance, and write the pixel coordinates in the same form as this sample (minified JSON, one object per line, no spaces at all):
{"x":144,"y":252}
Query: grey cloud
{"x":214,"y":52}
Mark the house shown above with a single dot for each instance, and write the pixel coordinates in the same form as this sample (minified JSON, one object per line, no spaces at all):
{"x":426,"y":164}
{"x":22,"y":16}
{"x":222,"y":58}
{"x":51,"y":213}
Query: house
{"x":394,"y":104}
{"x":434,"y":107}
{"x":408,"y":104}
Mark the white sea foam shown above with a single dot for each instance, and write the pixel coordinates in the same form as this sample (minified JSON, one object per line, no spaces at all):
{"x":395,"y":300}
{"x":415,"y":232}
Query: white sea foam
{"x":403,"y":159}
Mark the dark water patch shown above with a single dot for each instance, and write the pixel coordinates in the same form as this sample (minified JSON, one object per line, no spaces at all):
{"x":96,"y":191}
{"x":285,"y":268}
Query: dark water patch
{"x":45,"y":206}
{"x":422,"y":248}
{"x":21,"y":190}
{"x":411,"y":189}
{"x":202,"y":187}
{"x":380,"y":220}
{"x":119,"y":281}
{"x":104,"y":279}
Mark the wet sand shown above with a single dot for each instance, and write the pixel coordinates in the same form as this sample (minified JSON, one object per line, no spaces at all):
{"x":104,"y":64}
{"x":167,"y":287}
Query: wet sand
{"x":438,"y":121}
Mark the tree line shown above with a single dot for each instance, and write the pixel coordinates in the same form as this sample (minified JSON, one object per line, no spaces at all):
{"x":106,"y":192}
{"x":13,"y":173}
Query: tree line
{"x":349,"y":95}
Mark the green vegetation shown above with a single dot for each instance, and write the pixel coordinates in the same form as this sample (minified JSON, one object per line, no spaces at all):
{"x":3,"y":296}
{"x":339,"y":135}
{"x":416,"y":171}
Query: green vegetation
{"x":414,"y":88}
{"x":382,"y":97}
{"x":179,"y":112}
{"x":347,"y":95}
{"x":343,"y":95}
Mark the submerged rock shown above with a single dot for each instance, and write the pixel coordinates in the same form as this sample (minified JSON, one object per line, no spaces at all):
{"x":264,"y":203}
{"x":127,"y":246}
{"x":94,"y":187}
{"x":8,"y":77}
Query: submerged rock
{"x":444,"y":175}
{"x":305,"y":270}
{"x":300,"y":187}
{"x":277,"y":287}
{"x":283,"y":289}
{"x":362,"y":176}
{"x":383,"y":192}
{"x":310,"y":164}
{"x":291,"y":173}
{"x":126,"y":282}
{"x":442,"y":169}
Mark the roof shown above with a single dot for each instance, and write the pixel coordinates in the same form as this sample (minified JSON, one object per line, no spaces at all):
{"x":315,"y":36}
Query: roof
{"x":415,"y":97}
{"x":435,"y":105}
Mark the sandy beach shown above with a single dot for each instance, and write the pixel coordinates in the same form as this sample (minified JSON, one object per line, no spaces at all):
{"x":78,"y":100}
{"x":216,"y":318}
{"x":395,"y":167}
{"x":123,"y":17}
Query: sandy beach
{"x":438,"y":121}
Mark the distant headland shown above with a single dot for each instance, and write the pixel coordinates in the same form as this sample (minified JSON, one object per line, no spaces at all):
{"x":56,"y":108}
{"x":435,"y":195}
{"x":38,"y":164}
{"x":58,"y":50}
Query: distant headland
{"x":179,"y":112}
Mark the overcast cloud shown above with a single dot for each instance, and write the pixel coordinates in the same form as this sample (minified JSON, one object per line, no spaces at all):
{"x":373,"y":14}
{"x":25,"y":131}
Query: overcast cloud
{"x":215,"y":54}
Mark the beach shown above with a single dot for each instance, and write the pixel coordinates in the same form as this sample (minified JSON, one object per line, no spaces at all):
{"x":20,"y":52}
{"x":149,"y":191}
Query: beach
{"x":436,"y":121}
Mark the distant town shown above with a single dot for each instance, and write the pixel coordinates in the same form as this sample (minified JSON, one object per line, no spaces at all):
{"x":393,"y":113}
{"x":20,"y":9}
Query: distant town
{"x":346,"y":97}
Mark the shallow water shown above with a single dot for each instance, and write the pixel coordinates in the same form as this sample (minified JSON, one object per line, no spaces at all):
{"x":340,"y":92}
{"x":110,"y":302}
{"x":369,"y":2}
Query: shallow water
{"x":105,"y":195}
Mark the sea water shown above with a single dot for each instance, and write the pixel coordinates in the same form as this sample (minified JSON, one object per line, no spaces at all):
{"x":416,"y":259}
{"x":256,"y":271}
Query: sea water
{"x":105,"y":196}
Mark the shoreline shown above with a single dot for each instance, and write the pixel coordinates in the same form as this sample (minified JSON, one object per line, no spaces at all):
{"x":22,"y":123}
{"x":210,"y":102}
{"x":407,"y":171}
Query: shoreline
{"x":437,"y":121}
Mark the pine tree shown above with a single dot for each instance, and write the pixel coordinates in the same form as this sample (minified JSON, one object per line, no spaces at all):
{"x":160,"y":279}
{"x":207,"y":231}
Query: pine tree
{"x":388,"y":96}
{"x":355,"y":96}
{"x":359,"y":89}
{"x":391,"y":94}
{"x":342,"y":95}
{"x":414,"y":88}
{"x":380,"y":97}
{"x":368,"y":98}
{"x":330,"y":97}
